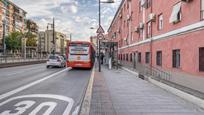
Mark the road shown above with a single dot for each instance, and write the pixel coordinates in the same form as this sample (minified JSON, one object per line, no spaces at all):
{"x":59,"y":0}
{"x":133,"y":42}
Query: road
{"x":34,"y":89}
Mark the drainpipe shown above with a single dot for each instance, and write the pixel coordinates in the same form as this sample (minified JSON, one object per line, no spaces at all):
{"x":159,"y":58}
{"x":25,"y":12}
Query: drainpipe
{"x":130,"y":22}
{"x":151,"y":35}
{"x":143,"y":21}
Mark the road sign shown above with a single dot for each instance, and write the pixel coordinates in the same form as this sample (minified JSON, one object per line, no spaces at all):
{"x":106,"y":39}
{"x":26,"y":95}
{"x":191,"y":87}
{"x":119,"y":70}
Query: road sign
{"x":100,"y":36}
{"x":100,"y":30}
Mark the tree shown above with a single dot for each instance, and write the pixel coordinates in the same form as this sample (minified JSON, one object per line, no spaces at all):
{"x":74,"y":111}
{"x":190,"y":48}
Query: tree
{"x":13,"y":41}
{"x":31,"y":39}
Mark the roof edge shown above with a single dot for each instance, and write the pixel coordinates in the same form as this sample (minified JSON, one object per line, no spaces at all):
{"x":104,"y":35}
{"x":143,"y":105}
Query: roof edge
{"x":116,"y":14}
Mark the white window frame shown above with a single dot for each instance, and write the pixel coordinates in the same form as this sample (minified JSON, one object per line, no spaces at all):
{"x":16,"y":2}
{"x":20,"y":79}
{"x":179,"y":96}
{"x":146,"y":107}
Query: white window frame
{"x":175,"y":12}
{"x":161,"y":22}
{"x":148,"y":29}
{"x":202,"y":9}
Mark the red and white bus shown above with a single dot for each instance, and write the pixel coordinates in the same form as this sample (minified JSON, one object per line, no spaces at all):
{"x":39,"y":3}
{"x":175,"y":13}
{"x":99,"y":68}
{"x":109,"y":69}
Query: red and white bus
{"x":80,"y":54}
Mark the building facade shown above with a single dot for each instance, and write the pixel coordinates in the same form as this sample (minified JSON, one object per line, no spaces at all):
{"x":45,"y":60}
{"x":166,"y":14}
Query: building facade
{"x":12,"y":16}
{"x":165,"y":34}
{"x":61,"y":43}
{"x":46,"y":46}
{"x":42,"y":44}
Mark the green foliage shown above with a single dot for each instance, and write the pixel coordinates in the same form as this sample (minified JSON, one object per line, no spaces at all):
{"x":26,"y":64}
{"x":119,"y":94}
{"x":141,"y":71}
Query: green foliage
{"x":13,"y":41}
{"x":31,"y":39}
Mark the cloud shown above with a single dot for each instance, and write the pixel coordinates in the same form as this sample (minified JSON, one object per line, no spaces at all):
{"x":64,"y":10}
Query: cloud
{"x":71,"y":16}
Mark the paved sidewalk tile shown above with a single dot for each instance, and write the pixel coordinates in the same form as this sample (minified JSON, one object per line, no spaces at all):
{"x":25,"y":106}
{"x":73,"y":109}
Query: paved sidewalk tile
{"x":133,"y":96}
{"x":101,"y":103}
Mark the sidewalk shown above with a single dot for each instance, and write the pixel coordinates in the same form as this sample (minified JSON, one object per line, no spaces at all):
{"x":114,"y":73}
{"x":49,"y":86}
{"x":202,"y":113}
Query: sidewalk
{"x":117,"y":92}
{"x":193,"y":85}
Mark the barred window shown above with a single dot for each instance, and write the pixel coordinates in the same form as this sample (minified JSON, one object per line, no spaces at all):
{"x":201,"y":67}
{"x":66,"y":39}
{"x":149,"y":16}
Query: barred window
{"x":159,"y":58}
{"x":176,"y":58}
{"x":147,"y":57}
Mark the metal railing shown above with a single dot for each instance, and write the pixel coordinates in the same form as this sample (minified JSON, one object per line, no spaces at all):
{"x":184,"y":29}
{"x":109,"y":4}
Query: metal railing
{"x":14,"y":59}
{"x":146,"y":70}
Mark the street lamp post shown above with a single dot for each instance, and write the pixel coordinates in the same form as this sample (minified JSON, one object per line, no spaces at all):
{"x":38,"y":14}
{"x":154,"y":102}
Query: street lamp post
{"x":70,"y":36}
{"x":4,"y":39}
{"x":98,"y":40}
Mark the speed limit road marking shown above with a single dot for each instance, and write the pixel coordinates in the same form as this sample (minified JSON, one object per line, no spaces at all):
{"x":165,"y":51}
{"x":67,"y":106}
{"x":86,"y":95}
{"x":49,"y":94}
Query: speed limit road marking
{"x":27,"y":104}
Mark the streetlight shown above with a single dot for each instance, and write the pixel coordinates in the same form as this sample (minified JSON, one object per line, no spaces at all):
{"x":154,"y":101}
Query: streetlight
{"x":53,"y":27}
{"x":98,"y":41}
{"x":4,"y":39}
{"x":70,"y":35}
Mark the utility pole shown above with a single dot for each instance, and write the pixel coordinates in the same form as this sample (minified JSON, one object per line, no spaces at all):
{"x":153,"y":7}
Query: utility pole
{"x":53,"y":35}
{"x":100,"y":32}
{"x":70,"y":36}
{"x":99,"y":48}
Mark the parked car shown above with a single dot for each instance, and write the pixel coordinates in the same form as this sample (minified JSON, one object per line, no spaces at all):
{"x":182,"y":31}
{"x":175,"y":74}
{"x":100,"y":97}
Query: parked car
{"x":56,"y":61}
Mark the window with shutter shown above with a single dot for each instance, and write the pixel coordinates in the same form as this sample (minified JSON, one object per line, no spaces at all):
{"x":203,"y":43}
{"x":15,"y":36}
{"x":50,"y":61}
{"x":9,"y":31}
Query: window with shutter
{"x":176,"y":13}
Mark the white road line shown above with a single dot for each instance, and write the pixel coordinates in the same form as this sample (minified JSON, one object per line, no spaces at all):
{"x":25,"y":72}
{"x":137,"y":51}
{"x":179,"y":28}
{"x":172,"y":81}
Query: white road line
{"x":30,"y":85}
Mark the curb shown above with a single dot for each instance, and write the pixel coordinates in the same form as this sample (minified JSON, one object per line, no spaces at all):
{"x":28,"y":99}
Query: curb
{"x":126,"y":69}
{"x":86,"y":101}
{"x":181,"y":94}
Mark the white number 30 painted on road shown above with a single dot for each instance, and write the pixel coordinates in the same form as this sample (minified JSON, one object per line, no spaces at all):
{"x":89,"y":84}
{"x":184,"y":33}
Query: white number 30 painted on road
{"x":23,"y":106}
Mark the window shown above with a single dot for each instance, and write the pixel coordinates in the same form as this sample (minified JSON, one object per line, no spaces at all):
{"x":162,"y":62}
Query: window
{"x":160,"y":22}
{"x":140,"y":33}
{"x":126,"y":57}
{"x":176,"y":58}
{"x":202,"y":9}
{"x":147,"y":57}
{"x":201,"y":59}
{"x":123,"y":57}
{"x":149,"y":3}
{"x":176,"y":13}
{"x":159,"y":58}
{"x":131,"y":57}
{"x":149,"y":29}
{"x":139,"y":57}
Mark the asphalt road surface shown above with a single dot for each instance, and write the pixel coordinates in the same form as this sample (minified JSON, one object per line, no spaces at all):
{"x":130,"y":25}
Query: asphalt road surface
{"x":34,"y":89}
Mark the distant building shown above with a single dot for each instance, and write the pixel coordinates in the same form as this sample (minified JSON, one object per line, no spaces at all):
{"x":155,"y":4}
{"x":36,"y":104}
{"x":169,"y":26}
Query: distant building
{"x":93,"y":39}
{"x":60,"y":43}
{"x":32,"y":27}
{"x":45,"y":44}
{"x":13,"y":17}
{"x":42,"y":49}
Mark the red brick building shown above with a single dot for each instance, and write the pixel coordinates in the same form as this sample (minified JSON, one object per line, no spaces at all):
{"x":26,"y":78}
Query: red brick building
{"x":165,"y":34}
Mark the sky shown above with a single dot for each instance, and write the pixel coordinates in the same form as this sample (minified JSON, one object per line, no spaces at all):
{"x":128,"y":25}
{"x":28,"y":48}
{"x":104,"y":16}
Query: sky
{"x":71,"y":16}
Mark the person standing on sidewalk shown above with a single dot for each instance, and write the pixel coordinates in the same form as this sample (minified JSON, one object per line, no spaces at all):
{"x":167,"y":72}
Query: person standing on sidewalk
{"x":102,"y":56}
